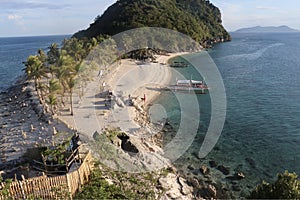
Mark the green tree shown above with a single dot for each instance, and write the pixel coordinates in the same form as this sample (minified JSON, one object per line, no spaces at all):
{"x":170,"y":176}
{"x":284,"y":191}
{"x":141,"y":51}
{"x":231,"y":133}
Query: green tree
{"x":35,"y":70}
{"x":71,"y":84}
{"x":287,"y":186}
{"x":53,"y":54}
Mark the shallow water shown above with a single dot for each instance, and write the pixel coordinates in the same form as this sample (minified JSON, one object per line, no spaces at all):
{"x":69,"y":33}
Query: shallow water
{"x":261,"y":135}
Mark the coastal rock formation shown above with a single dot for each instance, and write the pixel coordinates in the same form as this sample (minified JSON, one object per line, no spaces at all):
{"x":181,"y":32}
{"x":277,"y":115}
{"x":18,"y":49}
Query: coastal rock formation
{"x":176,"y":187}
{"x":224,"y":170}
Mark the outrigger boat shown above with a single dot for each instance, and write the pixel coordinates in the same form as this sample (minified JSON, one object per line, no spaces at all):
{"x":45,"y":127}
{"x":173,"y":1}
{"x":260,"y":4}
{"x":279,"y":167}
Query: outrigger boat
{"x":178,"y":64}
{"x":190,"y":85}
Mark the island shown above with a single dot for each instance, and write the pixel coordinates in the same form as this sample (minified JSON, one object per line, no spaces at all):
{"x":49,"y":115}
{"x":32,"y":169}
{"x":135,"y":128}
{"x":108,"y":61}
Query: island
{"x":267,"y":29}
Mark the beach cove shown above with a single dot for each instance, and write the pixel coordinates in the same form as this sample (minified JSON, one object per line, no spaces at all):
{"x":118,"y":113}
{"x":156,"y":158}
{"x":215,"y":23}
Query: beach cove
{"x":34,"y":127}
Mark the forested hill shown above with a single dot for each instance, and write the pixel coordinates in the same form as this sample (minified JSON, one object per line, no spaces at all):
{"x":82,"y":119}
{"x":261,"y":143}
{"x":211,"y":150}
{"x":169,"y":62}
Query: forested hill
{"x":199,"y":19}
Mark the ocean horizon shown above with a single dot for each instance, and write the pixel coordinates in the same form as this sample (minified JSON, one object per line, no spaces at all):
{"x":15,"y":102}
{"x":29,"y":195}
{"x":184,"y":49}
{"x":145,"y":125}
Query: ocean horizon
{"x":15,"y":50}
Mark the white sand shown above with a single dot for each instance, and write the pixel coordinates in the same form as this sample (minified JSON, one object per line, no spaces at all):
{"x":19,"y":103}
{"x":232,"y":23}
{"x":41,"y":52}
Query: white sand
{"x":129,"y":78}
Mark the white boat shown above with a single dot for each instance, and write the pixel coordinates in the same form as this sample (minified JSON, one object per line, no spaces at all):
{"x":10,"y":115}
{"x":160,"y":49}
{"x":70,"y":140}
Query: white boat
{"x":190,"y":85}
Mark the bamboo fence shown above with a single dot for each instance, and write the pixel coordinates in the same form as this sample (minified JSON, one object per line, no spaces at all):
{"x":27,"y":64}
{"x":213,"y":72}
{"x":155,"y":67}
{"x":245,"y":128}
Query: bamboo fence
{"x":43,"y":187}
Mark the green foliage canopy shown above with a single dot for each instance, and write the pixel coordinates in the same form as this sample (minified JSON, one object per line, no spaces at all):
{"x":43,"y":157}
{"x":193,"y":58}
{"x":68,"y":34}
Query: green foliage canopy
{"x":287,"y":186}
{"x":199,"y":19}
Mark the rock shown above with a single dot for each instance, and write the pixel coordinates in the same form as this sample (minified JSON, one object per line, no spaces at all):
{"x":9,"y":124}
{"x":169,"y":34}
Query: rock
{"x":54,"y":130}
{"x":185,"y":189}
{"x":190,"y":167}
{"x":204,"y":170}
{"x":24,"y":135}
{"x":239,"y":175}
{"x":236,"y":188}
{"x":213,"y":163}
{"x":212,"y":191}
{"x":224,"y":170}
{"x":32,"y":128}
{"x":194,"y":182}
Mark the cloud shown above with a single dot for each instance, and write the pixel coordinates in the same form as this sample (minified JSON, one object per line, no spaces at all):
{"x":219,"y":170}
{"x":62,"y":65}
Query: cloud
{"x":16,"y":5}
{"x":266,"y":8}
{"x":14,"y":17}
{"x":18,"y":21}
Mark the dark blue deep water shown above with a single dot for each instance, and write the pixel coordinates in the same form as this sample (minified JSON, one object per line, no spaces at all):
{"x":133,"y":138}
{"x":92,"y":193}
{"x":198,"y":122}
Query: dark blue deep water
{"x":15,"y":50}
{"x":261,"y":135}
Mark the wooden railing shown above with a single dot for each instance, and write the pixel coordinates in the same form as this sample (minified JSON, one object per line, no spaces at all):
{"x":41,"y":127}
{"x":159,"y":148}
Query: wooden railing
{"x":43,"y":187}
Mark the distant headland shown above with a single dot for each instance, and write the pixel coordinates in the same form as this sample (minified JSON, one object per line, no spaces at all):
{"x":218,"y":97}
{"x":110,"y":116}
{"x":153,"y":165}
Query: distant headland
{"x":267,"y":29}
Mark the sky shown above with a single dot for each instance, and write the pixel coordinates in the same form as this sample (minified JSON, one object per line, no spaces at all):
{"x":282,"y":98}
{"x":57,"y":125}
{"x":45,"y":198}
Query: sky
{"x":59,"y":17}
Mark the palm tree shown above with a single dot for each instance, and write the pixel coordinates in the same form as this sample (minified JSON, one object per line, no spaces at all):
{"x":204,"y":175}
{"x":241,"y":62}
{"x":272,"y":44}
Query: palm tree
{"x":53,"y":88}
{"x":35,"y":70}
{"x":42,"y":56}
{"x":71,"y":85}
{"x":53,"y":53}
{"x":52,"y":101}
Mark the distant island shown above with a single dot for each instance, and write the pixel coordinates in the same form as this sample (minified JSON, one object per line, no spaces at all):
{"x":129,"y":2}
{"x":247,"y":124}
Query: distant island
{"x":267,"y":29}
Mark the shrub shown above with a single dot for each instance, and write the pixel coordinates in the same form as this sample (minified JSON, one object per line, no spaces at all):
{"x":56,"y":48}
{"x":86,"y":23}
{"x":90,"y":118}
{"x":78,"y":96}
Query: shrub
{"x":287,"y":186}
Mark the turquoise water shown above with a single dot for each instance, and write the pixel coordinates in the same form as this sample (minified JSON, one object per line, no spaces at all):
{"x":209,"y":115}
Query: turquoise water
{"x":15,"y":50}
{"x":261,"y":135}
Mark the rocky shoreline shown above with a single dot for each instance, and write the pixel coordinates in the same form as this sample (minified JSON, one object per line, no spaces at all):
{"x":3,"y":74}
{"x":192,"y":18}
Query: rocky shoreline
{"x":24,"y":124}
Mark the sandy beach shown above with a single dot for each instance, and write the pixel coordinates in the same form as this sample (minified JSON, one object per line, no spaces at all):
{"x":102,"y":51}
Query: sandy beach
{"x":130,"y":80}
{"x":115,"y":100}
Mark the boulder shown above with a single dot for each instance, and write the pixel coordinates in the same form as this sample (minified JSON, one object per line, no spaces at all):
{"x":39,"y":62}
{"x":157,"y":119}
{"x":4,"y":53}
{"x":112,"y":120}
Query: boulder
{"x":194,"y":182}
{"x":213,"y":163}
{"x":190,"y":167}
{"x":212,"y":191}
{"x":204,"y":170}
{"x":240,"y":175}
{"x":185,"y":189}
{"x":224,"y":170}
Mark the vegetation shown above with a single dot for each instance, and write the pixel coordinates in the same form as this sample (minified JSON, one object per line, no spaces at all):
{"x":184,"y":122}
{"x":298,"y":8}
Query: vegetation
{"x":57,"y":154}
{"x":121,"y":185}
{"x":56,"y":73}
{"x":62,"y":71}
{"x":287,"y":186}
{"x":198,"y":19}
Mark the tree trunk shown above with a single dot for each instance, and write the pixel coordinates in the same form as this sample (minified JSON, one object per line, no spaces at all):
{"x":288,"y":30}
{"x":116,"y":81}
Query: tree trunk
{"x":71,"y":101}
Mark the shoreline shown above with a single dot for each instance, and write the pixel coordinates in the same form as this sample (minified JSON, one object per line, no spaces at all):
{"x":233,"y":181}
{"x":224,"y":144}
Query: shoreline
{"x":24,"y":124}
{"x":37,"y":129}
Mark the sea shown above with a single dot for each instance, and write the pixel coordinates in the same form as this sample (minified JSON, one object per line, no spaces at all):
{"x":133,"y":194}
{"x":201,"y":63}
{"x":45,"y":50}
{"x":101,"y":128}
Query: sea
{"x":261,"y":76}
{"x":15,"y":50}
{"x":261,"y":133}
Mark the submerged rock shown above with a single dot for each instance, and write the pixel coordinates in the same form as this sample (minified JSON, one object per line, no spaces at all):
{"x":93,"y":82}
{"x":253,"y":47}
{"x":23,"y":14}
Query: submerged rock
{"x":213,"y":164}
{"x":251,"y":162}
{"x":224,"y":170}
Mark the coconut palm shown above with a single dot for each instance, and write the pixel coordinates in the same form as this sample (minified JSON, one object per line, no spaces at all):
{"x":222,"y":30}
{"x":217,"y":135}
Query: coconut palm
{"x":71,"y":84}
{"x":52,"y":101}
{"x":53,"y":89}
{"x":35,"y":70}
{"x":42,"y":56}
{"x":53,"y":53}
